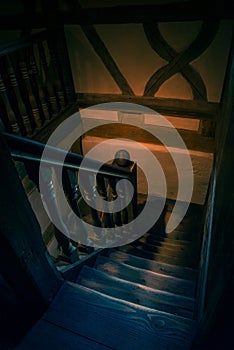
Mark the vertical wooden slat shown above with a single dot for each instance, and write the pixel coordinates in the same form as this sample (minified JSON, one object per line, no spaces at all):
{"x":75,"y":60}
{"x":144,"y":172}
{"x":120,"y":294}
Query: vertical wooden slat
{"x":64,"y":67}
{"x":134,"y":183}
{"x":31,"y":97}
{"x":10,"y":113}
{"x":37,"y":83}
{"x":53,"y":65}
{"x":20,"y":103}
{"x":55,"y":30}
{"x":48,"y":81}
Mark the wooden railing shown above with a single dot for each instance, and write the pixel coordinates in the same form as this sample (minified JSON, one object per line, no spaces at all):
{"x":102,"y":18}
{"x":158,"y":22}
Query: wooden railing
{"x":36,"y":84}
{"x":30,"y":153}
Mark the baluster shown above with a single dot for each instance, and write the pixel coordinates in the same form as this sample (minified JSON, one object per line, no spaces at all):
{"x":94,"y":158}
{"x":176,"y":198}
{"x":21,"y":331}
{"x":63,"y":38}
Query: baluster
{"x":63,"y":240}
{"x":71,"y":190}
{"x":102,"y":190}
{"x":10,"y":113}
{"x":90,"y":194}
{"x":37,"y":81}
{"x":48,"y":80}
{"x":56,"y":78}
{"x":59,"y":46}
{"x":20,"y":103}
{"x":32,"y":100}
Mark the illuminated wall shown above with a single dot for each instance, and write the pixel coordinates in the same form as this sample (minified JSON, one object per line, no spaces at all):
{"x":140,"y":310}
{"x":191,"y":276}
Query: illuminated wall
{"x":137,"y":61}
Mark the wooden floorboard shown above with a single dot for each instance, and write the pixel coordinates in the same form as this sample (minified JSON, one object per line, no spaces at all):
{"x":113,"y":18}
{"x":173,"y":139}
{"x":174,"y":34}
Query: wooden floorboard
{"x":47,"y":335}
{"x":146,"y":277}
{"x":118,"y":324}
{"x":136,"y":293}
{"x":155,"y":266}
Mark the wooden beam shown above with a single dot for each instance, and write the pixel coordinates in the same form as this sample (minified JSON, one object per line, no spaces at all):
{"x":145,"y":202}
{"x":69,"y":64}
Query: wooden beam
{"x":192,"y":139}
{"x":101,"y":50}
{"x":24,"y":260}
{"x":181,"y":11}
{"x":174,"y":107}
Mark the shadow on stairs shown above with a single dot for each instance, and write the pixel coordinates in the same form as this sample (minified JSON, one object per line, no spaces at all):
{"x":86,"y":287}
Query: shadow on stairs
{"x":137,"y":296}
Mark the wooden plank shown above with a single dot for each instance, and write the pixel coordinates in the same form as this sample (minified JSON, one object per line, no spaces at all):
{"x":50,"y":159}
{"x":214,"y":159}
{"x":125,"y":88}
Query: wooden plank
{"x":118,"y":324}
{"x":192,"y":139}
{"x":46,"y":335}
{"x":170,"y":242}
{"x":216,"y":279}
{"x":101,"y":50}
{"x":24,"y":261}
{"x":179,"y":235}
{"x":154,"y":266}
{"x":165,"y":51}
{"x":71,"y":271}
{"x":182,"y":11}
{"x":177,"y":62}
{"x":169,"y":106}
{"x":169,"y":246}
{"x":157,"y":257}
{"x":176,"y":251}
{"x":136,"y":293}
{"x":145,"y":277}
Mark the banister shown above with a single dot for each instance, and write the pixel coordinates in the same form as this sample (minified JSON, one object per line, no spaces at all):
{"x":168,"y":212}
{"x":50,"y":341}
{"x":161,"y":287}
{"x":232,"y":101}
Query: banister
{"x":21,"y":43}
{"x":23,"y":148}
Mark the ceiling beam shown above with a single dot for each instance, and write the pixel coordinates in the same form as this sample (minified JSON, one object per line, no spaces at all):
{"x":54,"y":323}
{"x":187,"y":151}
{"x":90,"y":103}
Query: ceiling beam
{"x":181,"y":11}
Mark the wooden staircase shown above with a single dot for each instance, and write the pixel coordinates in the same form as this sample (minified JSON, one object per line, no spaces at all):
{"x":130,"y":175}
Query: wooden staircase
{"x":137,"y":296}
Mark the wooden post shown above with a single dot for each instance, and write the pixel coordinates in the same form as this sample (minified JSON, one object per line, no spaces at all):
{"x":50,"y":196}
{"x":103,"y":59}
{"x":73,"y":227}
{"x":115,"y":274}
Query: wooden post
{"x":24,"y":261}
{"x":21,"y":106}
{"x":10,"y":113}
{"x":37,"y":84}
{"x":31,"y":98}
{"x":57,"y":41}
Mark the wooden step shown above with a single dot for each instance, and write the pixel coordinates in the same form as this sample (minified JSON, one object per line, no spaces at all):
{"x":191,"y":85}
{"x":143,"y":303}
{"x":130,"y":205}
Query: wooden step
{"x":46,"y":335}
{"x":170,"y":247}
{"x":155,"y":266}
{"x":136,"y":293}
{"x":109,"y":322}
{"x":145,"y":277}
{"x":179,"y":252}
{"x":151,"y":238}
{"x":182,"y":235}
{"x":138,"y":251}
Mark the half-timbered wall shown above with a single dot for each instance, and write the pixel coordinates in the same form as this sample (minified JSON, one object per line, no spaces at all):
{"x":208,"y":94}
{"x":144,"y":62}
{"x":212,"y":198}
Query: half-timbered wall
{"x":142,"y":52}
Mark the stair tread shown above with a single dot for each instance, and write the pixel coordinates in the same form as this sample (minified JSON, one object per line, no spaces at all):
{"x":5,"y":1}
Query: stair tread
{"x":151,"y":237}
{"x":165,"y":245}
{"x":181,"y":235}
{"x":155,"y":266}
{"x":145,"y":277}
{"x":158,"y":257}
{"x":116,"y":323}
{"x":136,"y":293}
{"x":46,"y":335}
{"x":165,"y":249}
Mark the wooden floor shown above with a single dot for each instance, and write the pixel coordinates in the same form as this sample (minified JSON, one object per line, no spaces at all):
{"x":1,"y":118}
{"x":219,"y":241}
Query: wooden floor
{"x":138,"y":296}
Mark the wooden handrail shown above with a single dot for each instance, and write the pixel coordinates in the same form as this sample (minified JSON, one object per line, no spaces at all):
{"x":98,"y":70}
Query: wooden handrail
{"x":21,"y":43}
{"x":26,"y":149}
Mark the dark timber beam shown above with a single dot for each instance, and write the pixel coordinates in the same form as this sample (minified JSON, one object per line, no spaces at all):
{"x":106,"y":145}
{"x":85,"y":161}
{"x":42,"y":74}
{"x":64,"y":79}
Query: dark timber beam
{"x":24,"y":261}
{"x":181,"y":11}
{"x":183,"y":108}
